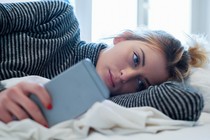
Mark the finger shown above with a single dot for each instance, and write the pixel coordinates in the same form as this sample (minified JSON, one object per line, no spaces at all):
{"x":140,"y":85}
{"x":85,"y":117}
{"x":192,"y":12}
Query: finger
{"x":34,"y":112}
{"x":17,"y":111}
{"x":18,"y":96}
{"x":5,"y":116}
{"x":30,"y":107}
{"x":39,"y":91}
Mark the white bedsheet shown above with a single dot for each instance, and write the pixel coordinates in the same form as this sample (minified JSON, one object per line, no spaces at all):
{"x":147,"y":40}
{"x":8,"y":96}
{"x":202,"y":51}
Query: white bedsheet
{"x":200,"y":132}
{"x":108,"y":120}
{"x":103,"y":120}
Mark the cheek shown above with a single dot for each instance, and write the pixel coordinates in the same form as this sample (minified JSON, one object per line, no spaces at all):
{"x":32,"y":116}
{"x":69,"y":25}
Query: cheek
{"x":128,"y":87}
{"x":121,"y":60}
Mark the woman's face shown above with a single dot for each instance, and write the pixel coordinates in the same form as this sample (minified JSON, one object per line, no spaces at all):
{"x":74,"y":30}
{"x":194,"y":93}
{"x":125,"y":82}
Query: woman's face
{"x":131,"y":65}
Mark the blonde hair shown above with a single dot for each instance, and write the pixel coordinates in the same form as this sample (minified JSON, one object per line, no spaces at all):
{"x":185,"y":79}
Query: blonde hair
{"x":179,"y":60}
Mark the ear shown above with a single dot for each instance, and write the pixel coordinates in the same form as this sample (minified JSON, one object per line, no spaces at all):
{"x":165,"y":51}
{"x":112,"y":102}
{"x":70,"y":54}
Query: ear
{"x":118,"y":40}
{"x":122,"y":37}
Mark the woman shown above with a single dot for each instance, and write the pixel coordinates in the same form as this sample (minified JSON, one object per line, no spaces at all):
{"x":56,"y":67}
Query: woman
{"x":42,"y":38}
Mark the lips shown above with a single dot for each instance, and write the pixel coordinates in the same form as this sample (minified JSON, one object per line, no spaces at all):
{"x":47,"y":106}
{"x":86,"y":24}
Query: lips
{"x":111,"y":79}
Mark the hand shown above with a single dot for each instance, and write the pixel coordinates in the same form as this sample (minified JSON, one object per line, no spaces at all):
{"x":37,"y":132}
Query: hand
{"x":15,"y":102}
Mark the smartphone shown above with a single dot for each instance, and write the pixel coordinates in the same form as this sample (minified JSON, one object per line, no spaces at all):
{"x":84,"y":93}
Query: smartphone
{"x":73,"y":92}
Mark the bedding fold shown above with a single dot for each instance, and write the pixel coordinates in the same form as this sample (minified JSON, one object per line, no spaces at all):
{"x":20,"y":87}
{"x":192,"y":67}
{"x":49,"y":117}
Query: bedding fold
{"x":106,"y":118}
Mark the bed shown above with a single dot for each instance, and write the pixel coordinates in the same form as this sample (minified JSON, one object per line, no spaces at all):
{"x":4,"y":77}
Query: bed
{"x":107,"y":120}
{"x":200,"y":132}
{"x":28,"y":129}
{"x":97,"y":124}
{"x":93,"y":126}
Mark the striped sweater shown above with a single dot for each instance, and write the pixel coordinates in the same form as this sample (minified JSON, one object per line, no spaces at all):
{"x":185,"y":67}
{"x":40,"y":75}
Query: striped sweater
{"x":43,"y":38}
{"x":173,"y":99}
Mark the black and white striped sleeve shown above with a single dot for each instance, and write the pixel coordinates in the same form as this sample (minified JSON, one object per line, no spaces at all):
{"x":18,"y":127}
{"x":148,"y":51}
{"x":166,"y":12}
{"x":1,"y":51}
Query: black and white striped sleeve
{"x":171,"y":98}
{"x":33,"y":16}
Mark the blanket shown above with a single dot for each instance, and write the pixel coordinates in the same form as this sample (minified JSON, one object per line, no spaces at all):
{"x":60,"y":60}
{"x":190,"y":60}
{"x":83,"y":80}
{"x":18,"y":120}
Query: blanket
{"x":105,"y":117}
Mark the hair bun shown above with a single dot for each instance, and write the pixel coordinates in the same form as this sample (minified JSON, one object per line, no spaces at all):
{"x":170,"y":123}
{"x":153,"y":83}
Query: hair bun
{"x":198,"y":47}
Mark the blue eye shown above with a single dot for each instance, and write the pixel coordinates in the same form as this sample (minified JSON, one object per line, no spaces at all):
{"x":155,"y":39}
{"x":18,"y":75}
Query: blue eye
{"x":135,"y":59}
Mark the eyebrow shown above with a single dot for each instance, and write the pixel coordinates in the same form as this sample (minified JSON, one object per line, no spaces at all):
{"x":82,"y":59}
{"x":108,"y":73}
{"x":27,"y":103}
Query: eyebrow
{"x":143,"y":57}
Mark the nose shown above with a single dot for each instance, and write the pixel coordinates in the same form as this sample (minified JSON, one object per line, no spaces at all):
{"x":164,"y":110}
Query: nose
{"x":128,"y":74}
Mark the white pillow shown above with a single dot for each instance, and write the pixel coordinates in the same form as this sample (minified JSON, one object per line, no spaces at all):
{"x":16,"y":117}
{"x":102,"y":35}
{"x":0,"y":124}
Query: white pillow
{"x":33,"y":78}
{"x":200,"y":80}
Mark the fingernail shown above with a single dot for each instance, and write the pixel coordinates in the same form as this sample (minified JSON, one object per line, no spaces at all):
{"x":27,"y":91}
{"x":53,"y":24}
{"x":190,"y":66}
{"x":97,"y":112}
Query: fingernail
{"x":49,"y":107}
{"x":46,"y":126}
